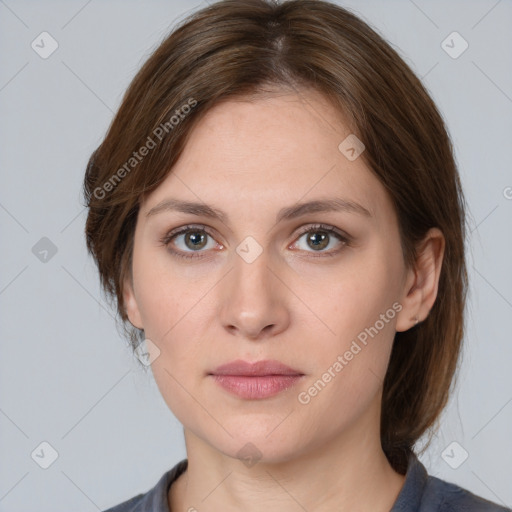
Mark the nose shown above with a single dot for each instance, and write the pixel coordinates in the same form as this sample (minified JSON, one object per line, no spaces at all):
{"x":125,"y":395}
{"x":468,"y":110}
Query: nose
{"x":254,"y":300}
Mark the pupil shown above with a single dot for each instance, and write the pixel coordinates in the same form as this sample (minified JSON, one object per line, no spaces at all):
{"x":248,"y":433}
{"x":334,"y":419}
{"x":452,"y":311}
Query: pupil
{"x":315,"y":238}
{"x":195,"y":237}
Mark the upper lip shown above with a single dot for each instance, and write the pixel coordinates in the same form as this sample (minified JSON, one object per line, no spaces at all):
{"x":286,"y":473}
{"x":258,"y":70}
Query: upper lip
{"x":259,"y":368}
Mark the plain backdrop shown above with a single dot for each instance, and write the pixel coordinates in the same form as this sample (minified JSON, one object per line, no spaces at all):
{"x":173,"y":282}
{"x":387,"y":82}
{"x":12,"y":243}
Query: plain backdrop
{"x":68,"y":379}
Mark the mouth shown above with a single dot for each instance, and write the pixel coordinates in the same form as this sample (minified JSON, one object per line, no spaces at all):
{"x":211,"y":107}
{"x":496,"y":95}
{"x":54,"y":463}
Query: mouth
{"x":259,"y":380}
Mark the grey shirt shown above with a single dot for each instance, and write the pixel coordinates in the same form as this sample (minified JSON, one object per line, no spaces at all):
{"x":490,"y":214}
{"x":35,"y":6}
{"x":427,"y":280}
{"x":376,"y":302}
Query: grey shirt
{"x":420,"y":493}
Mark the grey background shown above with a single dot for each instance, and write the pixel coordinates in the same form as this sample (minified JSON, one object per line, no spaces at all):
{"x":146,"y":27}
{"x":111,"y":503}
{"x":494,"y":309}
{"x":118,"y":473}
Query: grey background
{"x":66,"y":376}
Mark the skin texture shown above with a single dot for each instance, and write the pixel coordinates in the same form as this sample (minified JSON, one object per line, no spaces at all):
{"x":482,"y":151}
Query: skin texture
{"x":293,"y":303}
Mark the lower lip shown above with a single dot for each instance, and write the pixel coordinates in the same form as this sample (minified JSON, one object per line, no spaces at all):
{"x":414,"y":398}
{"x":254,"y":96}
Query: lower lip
{"x":256,"y":387}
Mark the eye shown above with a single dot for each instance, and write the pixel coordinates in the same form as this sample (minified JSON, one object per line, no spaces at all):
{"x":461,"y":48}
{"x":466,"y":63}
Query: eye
{"x":189,"y":240}
{"x":320,"y":236}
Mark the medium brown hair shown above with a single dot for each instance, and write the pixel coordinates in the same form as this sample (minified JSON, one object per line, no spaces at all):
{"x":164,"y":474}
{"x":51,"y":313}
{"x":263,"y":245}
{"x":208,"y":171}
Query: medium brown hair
{"x":239,"y":47}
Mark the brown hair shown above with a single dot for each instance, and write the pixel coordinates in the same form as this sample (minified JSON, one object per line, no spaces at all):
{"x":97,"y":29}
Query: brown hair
{"x":239,"y":47}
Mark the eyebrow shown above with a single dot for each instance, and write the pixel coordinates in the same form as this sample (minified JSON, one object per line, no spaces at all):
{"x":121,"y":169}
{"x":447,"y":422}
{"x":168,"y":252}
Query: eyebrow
{"x":288,"y":213}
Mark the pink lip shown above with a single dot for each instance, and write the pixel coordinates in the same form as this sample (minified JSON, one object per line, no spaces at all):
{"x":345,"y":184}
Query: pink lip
{"x":259,"y":368}
{"x":258,"y":380}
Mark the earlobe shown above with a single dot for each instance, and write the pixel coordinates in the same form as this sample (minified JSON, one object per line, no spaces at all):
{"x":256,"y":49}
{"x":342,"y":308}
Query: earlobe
{"x":130,"y":304}
{"x":421,"y":286}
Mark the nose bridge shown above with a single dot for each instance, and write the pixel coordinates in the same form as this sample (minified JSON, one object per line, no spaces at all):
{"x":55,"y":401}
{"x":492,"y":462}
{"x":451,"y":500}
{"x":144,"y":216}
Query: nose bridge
{"x":253,"y":299}
{"x":252,"y":276}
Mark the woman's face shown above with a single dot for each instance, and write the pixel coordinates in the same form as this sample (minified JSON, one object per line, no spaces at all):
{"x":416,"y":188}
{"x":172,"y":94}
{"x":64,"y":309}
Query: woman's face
{"x":252,"y":286}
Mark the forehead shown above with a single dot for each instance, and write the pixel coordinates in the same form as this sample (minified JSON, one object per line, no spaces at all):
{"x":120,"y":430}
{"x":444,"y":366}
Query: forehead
{"x":267,"y":152}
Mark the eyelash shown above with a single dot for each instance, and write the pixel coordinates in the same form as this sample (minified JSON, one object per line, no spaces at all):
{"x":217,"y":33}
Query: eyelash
{"x":168,"y":237}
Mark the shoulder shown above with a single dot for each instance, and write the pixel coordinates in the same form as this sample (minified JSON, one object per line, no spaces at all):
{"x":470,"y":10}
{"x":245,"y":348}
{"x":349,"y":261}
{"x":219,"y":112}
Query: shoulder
{"x":154,"y":500}
{"x":131,"y":505}
{"x":422,"y":492}
{"x":442,"y":496}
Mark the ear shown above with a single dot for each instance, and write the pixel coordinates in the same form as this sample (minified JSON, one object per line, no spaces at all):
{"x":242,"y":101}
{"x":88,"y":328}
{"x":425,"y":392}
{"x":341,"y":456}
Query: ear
{"x":421,"y":283}
{"x":130,"y":303}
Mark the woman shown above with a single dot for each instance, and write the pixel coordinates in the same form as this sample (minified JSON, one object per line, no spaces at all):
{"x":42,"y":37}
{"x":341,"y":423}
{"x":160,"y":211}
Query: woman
{"x":277,"y":213}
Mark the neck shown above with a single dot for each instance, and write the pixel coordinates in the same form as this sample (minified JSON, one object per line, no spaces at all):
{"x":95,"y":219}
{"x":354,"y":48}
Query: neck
{"x":340,"y":475}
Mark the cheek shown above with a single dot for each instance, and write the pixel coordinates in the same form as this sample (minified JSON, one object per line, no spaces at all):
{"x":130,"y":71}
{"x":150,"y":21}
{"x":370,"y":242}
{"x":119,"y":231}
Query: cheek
{"x":172,"y":372}
{"x":165,"y":295}
{"x":360,"y":309}
{"x":349,"y":369}
{"x":172,"y":310}
{"x":355,"y":296}
{"x":179,"y":369}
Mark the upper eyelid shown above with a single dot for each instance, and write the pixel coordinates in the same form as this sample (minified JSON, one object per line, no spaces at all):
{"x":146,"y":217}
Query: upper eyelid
{"x":189,"y":227}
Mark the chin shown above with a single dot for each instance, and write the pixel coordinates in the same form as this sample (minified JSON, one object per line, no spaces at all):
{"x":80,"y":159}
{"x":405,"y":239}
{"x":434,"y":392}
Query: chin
{"x":251,"y":443}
